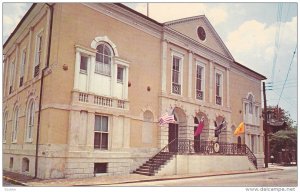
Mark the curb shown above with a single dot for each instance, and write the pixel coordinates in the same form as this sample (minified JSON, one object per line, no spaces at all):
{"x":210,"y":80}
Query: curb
{"x":175,"y":178}
{"x":13,"y":181}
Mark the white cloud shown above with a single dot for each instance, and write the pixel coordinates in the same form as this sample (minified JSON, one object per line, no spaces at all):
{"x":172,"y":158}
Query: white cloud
{"x":12,"y":14}
{"x":253,"y":44}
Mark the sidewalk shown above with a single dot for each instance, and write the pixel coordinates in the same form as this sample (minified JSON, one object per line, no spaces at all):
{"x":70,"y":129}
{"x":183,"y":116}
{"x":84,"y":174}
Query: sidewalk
{"x":111,"y":180}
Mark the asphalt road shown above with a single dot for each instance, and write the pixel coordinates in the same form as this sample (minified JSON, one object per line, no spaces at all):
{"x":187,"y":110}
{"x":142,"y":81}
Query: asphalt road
{"x":281,"y":178}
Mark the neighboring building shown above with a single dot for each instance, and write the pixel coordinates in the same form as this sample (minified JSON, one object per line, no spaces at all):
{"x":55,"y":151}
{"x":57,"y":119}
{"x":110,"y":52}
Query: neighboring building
{"x":107,"y":73}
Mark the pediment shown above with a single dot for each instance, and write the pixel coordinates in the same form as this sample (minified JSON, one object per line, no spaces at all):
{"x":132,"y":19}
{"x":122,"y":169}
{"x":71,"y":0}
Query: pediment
{"x":190,"y":28}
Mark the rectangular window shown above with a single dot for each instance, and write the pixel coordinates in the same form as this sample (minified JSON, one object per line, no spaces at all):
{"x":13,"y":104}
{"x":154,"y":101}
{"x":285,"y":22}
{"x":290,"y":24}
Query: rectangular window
{"x":22,"y":67}
{"x":100,"y":168}
{"x":199,"y":82}
{"x":11,"y":162}
{"x":101,"y":132}
{"x":246,"y":108}
{"x":11,"y":77}
{"x":120,"y":74}
{"x":38,"y":55}
{"x":218,"y":89}
{"x":176,"y":76}
{"x":83,"y":64}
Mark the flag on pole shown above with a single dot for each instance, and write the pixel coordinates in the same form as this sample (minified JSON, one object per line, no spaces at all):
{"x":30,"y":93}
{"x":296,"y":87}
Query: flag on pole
{"x":199,"y":128}
{"x":240,"y":129}
{"x":166,"y":118}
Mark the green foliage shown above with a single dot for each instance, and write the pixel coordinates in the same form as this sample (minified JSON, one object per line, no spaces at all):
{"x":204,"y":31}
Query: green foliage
{"x":283,"y":139}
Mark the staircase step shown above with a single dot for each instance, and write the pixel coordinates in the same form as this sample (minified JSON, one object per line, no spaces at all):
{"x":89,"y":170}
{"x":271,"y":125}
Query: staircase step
{"x":143,"y":173}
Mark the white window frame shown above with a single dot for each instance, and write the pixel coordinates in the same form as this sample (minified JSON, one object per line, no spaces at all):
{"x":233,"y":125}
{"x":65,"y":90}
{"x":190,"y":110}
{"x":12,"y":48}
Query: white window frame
{"x":12,"y":68}
{"x":29,"y":127}
{"x":108,"y":126}
{"x":123,"y":74}
{"x":38,"y":52}
{"x":87,"y":64}
{"x":99,"y":65}
{"x":201,"y":64}
{"x":221,"y":86}
{"x":15,"y":126}
{"x":22,"y":64}
{"x":181,"y":57}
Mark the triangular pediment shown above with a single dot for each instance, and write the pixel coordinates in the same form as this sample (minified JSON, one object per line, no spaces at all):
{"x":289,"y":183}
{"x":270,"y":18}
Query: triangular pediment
{"x":189,"y":27}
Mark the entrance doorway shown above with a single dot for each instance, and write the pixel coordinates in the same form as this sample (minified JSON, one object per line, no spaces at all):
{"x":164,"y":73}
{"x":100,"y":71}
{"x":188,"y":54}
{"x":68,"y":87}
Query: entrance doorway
{"x":173,"y":135}
{"x":196,"y":138}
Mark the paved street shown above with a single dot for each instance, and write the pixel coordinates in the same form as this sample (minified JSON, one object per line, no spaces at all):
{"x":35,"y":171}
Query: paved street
{"x":280,"y":178}
{"x":8,"y":184}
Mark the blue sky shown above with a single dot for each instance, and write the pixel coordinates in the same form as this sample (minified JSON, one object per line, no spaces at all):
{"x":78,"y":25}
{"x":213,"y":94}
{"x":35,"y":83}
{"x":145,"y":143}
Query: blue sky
{"x":247,"y":29}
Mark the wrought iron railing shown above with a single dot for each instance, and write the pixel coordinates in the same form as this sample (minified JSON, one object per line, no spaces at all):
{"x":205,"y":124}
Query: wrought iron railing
{"x":161,"y":157}
{"x":199,"y":94}
{"x":176,"y":88}
{"x":186,"y":146}
{"x":218,"y":100}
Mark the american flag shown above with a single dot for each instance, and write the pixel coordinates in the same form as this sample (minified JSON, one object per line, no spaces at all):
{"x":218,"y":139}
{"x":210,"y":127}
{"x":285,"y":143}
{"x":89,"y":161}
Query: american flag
{"x":165,"y":119}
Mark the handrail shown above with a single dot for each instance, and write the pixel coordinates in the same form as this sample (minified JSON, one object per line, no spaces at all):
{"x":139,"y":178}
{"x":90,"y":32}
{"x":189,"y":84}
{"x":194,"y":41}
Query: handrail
{"x":251,"y":156}
{"x":153,"y":166}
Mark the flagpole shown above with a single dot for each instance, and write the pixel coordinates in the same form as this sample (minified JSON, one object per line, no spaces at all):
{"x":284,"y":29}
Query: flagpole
{"x":147,"y":9}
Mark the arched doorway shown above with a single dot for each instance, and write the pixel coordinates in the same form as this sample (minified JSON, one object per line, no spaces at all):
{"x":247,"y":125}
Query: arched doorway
{"x":203,"y":136}
{"x":177,"y":130}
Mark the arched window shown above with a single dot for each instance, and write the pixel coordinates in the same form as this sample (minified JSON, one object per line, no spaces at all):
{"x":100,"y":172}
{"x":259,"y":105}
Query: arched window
{"x":4,"y":126}
{"x":103,"y":59}
{"x":15,"y":125}
{"x":30,"y":120}
{"x":25,"y":164}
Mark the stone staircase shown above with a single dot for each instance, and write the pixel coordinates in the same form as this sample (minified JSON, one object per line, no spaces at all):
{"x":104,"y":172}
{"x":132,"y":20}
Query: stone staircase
{"x":153,"y":165}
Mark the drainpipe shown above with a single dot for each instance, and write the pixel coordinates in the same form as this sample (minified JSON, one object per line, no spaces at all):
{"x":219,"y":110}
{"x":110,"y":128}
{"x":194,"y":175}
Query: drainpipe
{"x":41,"y":91}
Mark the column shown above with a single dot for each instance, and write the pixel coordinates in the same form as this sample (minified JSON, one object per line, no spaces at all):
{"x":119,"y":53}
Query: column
{"x":28,"y":56}
{"x":125,"y":84}
{"x":77,"y":70}
{"x":228,"y":94}
{"x":211,"y":77}
{"x":90,"y":131}
{"x":190,"y":80}
{"x":91,"y":73}
{"x":164,"y":66}
{"x":113,"y":81}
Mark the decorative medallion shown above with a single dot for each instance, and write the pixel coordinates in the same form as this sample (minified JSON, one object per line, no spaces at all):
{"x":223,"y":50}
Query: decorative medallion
{"x":201,"y":33}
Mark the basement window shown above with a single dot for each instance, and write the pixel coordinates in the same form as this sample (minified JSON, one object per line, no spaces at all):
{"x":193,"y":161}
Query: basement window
{"x":11,"y":162}
{"x":100,"y":168}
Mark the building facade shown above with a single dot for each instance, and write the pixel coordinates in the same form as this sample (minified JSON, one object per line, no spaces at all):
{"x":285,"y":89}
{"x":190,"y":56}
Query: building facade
{"x":85,"y":85}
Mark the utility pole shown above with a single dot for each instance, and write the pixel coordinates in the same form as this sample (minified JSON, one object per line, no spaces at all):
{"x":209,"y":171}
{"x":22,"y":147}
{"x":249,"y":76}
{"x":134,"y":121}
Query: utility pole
{"x":266,"y":128}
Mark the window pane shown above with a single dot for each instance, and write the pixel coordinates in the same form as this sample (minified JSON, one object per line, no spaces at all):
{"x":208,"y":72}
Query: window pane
{"x":120,"y":74}
{"x":106,"y":59}
{"x":100,"y":48}
{"x":97,"y":140}
{"x":104,"y":141}
{"x":97,"y":123}
{"x":83,"y":63}
{"x":104,"y":124}
{"x":107,"y":51}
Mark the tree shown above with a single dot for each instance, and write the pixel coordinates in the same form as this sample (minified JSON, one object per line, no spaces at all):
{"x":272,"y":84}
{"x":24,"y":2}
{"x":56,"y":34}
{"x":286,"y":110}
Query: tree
{"x":284,"y":142}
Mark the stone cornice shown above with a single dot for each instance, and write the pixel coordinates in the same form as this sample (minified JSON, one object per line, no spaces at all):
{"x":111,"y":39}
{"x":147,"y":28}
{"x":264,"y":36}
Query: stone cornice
{"x":121,"y":14}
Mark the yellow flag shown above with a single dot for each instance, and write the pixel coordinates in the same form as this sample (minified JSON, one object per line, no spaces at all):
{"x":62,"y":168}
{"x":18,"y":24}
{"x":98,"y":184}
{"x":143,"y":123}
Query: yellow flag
{"x":240,"y":129}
